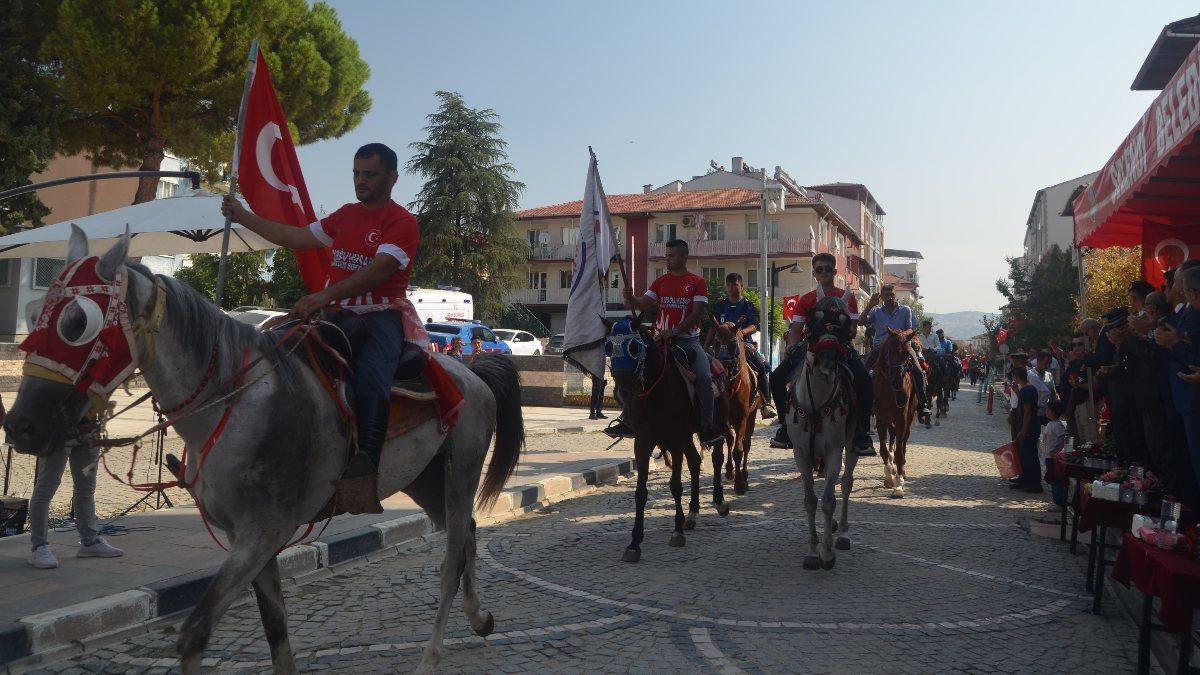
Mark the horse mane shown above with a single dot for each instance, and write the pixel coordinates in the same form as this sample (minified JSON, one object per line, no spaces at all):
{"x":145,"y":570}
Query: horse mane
{"x":196,"y":316}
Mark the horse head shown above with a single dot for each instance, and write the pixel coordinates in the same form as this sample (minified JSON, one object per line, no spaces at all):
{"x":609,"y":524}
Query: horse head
{"x":829,"y":325}
{"x":626,"y":346}
{"x":894,"y":357}
{"x":83,"y":345}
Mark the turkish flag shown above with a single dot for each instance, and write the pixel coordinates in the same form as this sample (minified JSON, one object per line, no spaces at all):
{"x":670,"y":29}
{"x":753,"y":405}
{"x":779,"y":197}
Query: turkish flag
{"x":790,"y":305}
{"x":269,"y":173}
{"x":1165,"y":247}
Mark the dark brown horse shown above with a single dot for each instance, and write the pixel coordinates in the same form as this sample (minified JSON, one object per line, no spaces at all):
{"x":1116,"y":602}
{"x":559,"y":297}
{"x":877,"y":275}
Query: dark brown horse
{"x":744,"y":396}
{"x":661,"y":413}
{"x":895,"y":406}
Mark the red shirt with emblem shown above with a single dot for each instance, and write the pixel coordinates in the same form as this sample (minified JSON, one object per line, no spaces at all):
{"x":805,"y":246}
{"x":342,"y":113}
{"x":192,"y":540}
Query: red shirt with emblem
{"x":357,"y":235}
{"x":796,"y":308}
{"x":675,"y":295}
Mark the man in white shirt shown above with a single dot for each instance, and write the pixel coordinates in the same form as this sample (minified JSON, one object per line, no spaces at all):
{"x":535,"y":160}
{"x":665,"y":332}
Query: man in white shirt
{"x":929,"y":340}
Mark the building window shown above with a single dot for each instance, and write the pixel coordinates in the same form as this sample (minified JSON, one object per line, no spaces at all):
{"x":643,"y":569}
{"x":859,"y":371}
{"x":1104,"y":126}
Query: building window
{"x":45,"y":271}
{"x":713,"y":276}
{"x":664,"y":232}
{"x":537,"y":282}
{"x":714,"y":229}
{"x":570,"y":236}
{"x":772,"y":229}
{"x":564,"y":278}
{"x":752,"y":278}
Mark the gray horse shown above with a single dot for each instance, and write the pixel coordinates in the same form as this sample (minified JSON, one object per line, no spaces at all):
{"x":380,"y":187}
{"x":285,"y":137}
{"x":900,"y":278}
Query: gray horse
{"x":270,"y":470}
{"x":819,"y":425}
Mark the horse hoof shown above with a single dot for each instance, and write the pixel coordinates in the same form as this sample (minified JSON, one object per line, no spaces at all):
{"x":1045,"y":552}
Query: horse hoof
{"x":811,"y":562}
{"x":739,"y":489}
{"x":888,"y":482}
{"x":676,"y":540}
{"x":842,"y":544}
{"x":631,"y":555}
{"x":828,"y":564}
{"x":898,"y":493}
{"x":729,"y":473}
{"x":723,"y":509}
{"x":689,"y":523}
{"x":488,"y":626}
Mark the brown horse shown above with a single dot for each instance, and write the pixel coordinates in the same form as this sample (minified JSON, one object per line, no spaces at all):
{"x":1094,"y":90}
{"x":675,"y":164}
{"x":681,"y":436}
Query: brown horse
{"x":895,"y":406}
{"x":744,"y":395}
{"x":661,"y":413}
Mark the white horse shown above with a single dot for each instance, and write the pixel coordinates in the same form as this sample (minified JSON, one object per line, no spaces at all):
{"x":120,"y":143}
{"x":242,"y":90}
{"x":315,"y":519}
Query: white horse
{"x":820,"y":425}
{"x":270,"y":470}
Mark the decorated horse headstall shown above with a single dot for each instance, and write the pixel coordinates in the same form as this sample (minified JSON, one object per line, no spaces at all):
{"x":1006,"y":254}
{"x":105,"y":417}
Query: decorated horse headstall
{"x":829,"y":310}
{"x":626,"y":348}
{"x":83,"y":336}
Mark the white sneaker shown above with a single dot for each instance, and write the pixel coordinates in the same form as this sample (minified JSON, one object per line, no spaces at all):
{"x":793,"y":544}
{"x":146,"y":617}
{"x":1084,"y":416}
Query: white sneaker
{"x":100,"y":549}
{"x":42,"y":558}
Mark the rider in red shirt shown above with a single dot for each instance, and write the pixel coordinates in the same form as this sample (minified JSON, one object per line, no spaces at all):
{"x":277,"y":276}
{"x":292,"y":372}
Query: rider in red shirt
{"x":374,"y":243}
{"x":824,"y":270}
{"x":681,"y":298}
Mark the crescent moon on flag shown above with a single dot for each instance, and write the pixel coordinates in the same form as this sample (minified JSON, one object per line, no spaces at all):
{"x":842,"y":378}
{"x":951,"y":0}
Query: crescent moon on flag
{"x":262,"y":152}
{"x":1172,"y":242}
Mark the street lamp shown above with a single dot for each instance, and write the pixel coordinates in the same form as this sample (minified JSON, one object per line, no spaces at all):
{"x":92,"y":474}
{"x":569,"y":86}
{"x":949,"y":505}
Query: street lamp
{"x":794,"y":268}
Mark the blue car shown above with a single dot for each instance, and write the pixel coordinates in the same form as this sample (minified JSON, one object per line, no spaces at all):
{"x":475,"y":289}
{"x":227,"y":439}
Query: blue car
{"x":443,"y":332}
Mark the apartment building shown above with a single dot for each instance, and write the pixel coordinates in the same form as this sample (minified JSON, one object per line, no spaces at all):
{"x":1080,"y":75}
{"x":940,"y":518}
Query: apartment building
{"x":1046,"y":225}
{"x":720,"y":224}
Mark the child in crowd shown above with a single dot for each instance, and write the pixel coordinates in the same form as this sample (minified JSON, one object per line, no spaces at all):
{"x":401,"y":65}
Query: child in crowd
{"x":1054,"y":438}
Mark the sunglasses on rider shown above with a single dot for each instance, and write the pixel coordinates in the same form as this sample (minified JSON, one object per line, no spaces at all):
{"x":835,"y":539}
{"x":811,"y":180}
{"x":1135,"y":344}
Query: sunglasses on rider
{"x":823,"y":268}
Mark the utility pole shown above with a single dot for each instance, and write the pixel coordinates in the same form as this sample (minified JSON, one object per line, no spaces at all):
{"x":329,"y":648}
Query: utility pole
{"x":764,"y":269}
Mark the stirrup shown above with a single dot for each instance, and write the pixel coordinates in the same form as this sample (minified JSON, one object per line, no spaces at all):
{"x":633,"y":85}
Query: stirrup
{"x":357,"y":491}
{"x":767,"y":411}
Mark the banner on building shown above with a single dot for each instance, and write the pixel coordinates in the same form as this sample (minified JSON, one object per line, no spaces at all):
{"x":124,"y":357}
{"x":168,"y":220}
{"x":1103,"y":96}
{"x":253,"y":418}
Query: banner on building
{"x":1165,"y":247}
{"x":583,"y":338}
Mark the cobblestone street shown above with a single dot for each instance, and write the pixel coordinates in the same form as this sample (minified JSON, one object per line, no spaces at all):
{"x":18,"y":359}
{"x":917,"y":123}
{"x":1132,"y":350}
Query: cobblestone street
{"x":948,"y":579}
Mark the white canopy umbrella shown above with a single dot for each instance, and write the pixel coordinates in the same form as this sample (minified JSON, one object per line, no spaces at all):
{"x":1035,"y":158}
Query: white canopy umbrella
{"x":187,"y":223}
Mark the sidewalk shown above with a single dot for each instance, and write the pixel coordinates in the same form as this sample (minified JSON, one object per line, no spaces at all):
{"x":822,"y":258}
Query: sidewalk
{"x":169,"y":558}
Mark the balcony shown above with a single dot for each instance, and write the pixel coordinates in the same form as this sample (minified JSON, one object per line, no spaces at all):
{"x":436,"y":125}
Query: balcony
{"x":560,"y":251}
{"x":545,"y":296}
{"x":737,"y":248}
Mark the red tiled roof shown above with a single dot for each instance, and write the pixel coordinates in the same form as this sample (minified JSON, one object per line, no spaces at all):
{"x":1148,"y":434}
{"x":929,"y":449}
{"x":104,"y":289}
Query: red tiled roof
{"x":898,"y":281}
{"x":654,"y":202}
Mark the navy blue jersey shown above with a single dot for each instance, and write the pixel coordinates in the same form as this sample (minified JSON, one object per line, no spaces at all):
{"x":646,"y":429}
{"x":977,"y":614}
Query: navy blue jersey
{"x":742,"y":313}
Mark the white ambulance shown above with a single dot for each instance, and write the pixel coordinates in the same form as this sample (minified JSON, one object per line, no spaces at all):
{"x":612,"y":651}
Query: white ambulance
{"x":438,"y":305}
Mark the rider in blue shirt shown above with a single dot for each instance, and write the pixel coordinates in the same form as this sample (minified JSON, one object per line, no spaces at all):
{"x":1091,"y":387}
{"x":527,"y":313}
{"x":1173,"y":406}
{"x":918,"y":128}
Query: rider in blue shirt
{"x":892,"y":314}
{"x":738,"y":310}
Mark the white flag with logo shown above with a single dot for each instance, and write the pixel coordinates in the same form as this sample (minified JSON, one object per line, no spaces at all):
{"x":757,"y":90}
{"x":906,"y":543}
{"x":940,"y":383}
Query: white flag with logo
{"x":583,"y":340}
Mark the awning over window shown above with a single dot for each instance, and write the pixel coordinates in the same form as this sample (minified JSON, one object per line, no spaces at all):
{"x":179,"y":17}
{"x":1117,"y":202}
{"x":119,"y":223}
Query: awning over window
{"x":1154,"y":176}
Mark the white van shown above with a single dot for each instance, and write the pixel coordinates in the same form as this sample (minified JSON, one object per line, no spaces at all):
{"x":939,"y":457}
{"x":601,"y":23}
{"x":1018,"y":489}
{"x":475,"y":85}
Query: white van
{"x":437,"y":305}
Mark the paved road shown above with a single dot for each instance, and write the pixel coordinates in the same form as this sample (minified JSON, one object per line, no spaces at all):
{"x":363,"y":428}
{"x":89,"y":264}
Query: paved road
{"x":948,"y":579}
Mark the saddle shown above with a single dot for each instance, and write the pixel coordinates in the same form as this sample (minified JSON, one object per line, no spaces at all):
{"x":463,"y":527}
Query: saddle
{"x":679,"y":358}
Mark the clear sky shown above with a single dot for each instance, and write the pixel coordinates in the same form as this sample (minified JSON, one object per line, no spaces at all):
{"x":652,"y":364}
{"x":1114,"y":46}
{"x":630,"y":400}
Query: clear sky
{"x":952,"y":113}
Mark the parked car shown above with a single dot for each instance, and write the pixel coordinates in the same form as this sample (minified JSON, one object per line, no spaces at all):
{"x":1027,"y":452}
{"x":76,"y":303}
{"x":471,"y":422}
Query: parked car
{"x":442,"y":332}
{"x":255,"y":316}
{"x":521,"y":342}
{"x":555,"y":345}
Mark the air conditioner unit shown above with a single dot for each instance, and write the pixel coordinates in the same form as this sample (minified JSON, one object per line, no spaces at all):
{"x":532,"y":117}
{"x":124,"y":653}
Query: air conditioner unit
{"x":688,"y":221}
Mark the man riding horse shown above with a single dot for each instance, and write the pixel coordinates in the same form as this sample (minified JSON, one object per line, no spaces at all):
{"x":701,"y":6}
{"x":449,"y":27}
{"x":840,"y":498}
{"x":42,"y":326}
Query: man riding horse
{"x":681,"y":298}
{"x":738,"y":314}
{"x":824,"y":270}
{"x":374,"y":244}
{"x":899,"y":317}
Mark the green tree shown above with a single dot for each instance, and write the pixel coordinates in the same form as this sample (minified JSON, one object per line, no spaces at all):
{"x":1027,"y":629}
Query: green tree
{"x":1107,"y":273}
{"x":1041,"y":299}
{"x":244,"y":282}
{"x":140,"y":77}
{"x":469,"y":232}
{"x":991,"y":325}
{"x":286,"y":285}
{"x":917,"y":308}
{"x":29,"y":110}
{"x":778,"y":325}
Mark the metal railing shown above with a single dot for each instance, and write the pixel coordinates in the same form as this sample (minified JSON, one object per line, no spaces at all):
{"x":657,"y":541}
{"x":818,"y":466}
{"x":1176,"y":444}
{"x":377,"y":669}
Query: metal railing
{"x":739,"y":247}
{"x":534,"y":296}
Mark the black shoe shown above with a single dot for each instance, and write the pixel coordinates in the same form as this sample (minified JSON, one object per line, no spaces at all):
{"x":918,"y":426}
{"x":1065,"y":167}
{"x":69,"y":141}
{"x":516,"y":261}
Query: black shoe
{"x":781,"y":439}
{"x":711,"y":437}
{"x":1033,"y":489}
{"x":592,"y":416}
{"x":767,"y":411}
{"x":863,"y":447}
{"x":619,"y":429}
{"x":601,"y":416}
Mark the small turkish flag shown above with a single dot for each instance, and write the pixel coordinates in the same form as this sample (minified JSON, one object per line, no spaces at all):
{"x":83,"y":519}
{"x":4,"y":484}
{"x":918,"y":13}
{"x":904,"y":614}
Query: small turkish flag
{"x":1165,"y":247}
{"x":790,"y":305}
{"x":269,"y":173}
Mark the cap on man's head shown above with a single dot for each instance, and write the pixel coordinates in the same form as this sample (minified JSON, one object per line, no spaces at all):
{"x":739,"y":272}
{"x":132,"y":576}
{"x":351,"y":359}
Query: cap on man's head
{"x":940,"y":331}
{"x":1018,"y":355}
{"x":1116,"y":317}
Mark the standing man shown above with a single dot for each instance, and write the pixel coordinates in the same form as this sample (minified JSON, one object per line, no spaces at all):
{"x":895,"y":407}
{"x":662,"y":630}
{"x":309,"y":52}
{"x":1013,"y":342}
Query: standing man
{"x":374,"y":243}
{"x":824,"y":270}
{"x":899,"y":317}
{"x":738,"y":314}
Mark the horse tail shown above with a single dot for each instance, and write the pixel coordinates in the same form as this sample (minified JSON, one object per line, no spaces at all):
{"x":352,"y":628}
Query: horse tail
{"x":500,"y":376}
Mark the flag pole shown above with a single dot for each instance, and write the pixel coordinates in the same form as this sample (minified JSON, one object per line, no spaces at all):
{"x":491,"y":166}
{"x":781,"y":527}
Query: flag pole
{"x":618,"y":257}
{"x":252,"y":63}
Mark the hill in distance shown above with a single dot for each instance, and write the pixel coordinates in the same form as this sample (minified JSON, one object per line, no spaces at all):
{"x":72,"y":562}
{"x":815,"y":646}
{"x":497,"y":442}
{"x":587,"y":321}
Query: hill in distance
{"x":960,"y":325}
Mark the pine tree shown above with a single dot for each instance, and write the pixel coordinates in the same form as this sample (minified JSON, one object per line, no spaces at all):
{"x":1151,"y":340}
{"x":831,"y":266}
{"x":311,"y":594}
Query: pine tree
{"x":469,"y":233}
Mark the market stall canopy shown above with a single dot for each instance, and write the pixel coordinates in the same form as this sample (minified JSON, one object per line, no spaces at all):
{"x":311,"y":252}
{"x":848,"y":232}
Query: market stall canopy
{"x":188,"y":223}
{"x":1154,"y":176}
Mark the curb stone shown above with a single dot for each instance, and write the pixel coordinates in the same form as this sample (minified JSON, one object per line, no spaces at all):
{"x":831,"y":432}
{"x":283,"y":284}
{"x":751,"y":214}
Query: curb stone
{"x":62,"y":632}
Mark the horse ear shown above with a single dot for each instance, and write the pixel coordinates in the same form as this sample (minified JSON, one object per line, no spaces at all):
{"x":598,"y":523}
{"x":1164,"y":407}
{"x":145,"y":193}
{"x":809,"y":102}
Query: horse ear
{"x":112,"y":259}
{"x":77,"y":248}
{"x":608,"y":323}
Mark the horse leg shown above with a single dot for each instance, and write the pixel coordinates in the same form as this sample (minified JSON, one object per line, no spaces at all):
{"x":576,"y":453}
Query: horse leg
{"x":734,"y":457}
{"x":694,"y":464}
{"x":677,"y":492}
{"x":812,"y":561}
{"x":741,"y":483}
{"x":480,"y":619}
{"x":730,"y":459}
{"x":843,"y":540}
{"x":833,"y":467}
{"x":251,"y":551}
{"x":641,"y":454}
{"x":718,"y":485}
{"x":269,"y":595}
{"x":886,"y":438}
{"x":901,"y":450}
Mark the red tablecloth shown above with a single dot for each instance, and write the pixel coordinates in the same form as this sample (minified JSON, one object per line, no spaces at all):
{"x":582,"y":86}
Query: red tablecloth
{"x":1107,"y":513}
{"x":1064,"y":470}
{"x":1175,"y":580}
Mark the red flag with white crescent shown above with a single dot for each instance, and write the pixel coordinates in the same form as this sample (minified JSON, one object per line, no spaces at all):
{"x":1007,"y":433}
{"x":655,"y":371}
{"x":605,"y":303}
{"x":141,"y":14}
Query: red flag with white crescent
{"x":1165,"y":247}
{"x":269,"y":173}
{"x":791,"y":304}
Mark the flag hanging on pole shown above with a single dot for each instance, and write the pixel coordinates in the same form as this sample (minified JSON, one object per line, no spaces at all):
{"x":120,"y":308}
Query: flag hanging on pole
{"x":268,"y":171}
{"x":583,"y":339}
